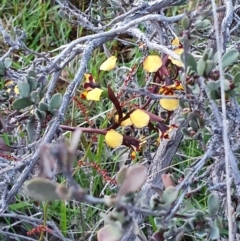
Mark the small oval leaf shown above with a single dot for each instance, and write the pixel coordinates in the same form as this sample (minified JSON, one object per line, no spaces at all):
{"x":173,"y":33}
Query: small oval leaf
{"x":55,"y":101}
{"x":109,"y":233}
{"x":7,"y":63}
{"x":43,"y":106}
{"x":169,"y":195}
{"x":213,"y":204}
{"x":31,"y":130}
{"x":41,"y":115}
{"x":229,"y":57}
{"x":24,"y":88}
{"x":236,"y":79}
{"x":22,"y":103}
{"x":214,"y":233}
{"x":135,"y":177}
{"x":201,"y":65}
{"x":121,"y":175}
{"x":42,"y":189}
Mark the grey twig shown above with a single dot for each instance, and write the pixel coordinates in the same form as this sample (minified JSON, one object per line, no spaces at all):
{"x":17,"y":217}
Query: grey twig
{"x":226,"y":23}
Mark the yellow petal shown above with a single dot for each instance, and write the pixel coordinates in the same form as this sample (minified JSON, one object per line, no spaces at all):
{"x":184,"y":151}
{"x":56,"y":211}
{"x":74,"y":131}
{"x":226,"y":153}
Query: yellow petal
{"x":169,"y":104}
{"x":124,"y":123}
{"x":113,"y":139}
{"x":16,"y":90}
{"x":87,"y":78}
{"x":178,"y":51}
{"x":179,"y":63}
{"x":152,"y":63}
{"x":10,"y":82}
{"x":139,"y":118}
{"x":176,"y":42}
{"x":109,"y":64}
{"x":94,"y":94}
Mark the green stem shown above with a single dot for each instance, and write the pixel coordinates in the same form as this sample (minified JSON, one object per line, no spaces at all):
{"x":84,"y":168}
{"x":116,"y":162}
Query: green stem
{"x":44,"y":220}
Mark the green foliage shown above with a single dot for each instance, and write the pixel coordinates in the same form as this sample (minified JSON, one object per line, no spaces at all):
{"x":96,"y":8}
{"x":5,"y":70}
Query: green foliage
{"x":109,"y":233}
{"x":43,"y":106}
{"x":2,"y":69}
{"x":22,"y":103}
{"x":24,"y":89}
{"x":201,"y":65}
{"x":7,"y":63}
{"x":169,"y":195}
{"x":40,"y":115}
{"x":31,"y":130}
{"x":40,"y":20}
{"x":42,"y":189}
{"x":185,"y":22}
{"x":229,"y":57}
{"x":55,"y":102}
{"x":213,"y":205}
{"x":32,"y":82}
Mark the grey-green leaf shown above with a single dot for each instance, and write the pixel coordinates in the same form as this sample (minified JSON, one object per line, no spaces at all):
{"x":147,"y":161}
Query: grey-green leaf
{"x":201,"y":65}
{"x":55,"y":101}
{"x":121,"y":175}
{"x":185,"y":132}
{"x":191,"y":62}
{"x":185,"y":22}
{"x":236,"y":79}
{"x":195,"y":88}
{"x":214,"y":95}
{"x":134,"y":179}
{"x":32,"y":82}
{"x":199,"y":215}
{"x":209,"y":66}
{"x":22,"y":103}
{"x":2,"y":72}
{"x":41,"y":115}
{"x":218,"y":222}
{"x":55,"y":113}
{"x":213,"y":85}
{"x":214,"y":233}
{"x":43,"y":106}
{"x":213,"y":204}
{"x":169,"y":195}
{"x":32,"y":73}
{"x":42,"y":189}
{"x":2,"y":69}
{"x":31,"y":129}
{"x":229,"y":57}
{"x":7,"y":63}
{"x":227,"y":84}
{"x":194,"y":125}
{"x":24,"y":88}
{"x":35,"y":96}
{"x":109,"y":233}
